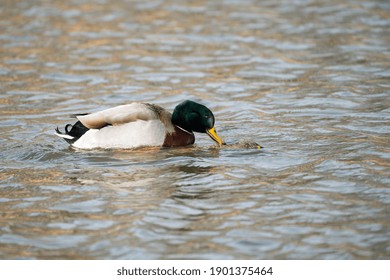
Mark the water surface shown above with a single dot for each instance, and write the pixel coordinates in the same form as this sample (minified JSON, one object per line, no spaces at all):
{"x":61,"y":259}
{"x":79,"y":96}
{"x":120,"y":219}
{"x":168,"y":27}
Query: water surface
{"x":308,"y":80}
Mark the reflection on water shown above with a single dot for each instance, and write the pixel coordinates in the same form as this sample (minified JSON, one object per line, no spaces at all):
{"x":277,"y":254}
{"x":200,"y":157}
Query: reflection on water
{"x":308,"y":80}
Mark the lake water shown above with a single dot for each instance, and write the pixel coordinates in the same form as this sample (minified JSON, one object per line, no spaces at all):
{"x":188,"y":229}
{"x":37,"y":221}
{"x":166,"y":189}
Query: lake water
{"x":309,"y":80}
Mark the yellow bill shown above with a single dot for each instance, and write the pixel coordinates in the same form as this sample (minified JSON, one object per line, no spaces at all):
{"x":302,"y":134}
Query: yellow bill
{"x":213,"y":135}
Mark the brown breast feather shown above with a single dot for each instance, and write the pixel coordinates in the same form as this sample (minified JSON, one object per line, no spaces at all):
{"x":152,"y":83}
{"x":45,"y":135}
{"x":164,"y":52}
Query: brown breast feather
{"x":179,"y":138}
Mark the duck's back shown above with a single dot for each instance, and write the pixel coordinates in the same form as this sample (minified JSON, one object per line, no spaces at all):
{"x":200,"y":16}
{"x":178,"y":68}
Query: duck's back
{"x":125,"y":126}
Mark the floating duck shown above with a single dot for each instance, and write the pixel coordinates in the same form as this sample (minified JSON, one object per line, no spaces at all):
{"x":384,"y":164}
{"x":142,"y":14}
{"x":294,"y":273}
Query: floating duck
{"x":141,"y":124}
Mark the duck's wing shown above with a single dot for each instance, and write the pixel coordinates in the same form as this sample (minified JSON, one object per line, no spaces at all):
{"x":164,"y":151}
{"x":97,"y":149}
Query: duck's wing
{"x":126,"y":113}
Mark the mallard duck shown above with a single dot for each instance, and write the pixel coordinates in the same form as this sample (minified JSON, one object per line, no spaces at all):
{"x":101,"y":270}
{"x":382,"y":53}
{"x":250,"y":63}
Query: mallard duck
{"x":141,"y":124}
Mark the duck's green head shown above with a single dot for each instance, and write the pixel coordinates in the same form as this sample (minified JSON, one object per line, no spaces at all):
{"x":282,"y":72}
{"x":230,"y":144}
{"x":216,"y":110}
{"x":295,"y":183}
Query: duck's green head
{"x":193,"y":116}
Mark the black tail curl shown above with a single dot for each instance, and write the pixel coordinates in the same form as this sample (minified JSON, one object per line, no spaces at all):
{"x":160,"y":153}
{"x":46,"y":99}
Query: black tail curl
{"x":72,"y":132}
